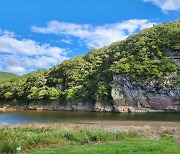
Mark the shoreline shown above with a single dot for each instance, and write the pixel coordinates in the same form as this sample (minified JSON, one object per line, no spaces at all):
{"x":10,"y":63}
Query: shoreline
{"x":125,"y":109}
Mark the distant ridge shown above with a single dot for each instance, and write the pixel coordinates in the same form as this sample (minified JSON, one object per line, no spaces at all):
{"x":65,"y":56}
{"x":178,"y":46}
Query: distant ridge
{"x":6,"y":75}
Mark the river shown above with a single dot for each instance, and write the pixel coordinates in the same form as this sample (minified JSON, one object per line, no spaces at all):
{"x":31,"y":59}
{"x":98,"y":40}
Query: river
{"x":17,"y":117}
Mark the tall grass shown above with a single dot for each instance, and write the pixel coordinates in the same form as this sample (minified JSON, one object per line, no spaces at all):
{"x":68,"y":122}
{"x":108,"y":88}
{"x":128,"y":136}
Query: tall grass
{"x":14,"y":139}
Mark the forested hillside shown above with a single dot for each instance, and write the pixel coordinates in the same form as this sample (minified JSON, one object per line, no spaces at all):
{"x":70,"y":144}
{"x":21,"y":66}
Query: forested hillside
{"x":142,"y":57}
{"x":5,"y":76}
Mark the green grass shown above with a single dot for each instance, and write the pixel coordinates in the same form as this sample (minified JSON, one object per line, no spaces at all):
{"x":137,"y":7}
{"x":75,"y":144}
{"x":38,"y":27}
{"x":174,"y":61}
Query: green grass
{"x":32,"y":138}
{"x":55,"y":140}
{"x":135,"y":145}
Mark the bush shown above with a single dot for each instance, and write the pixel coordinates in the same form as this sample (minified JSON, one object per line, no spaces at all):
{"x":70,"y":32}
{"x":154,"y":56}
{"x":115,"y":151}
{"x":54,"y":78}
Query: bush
{"x":53,"y":93}
{"x":8,"y":95}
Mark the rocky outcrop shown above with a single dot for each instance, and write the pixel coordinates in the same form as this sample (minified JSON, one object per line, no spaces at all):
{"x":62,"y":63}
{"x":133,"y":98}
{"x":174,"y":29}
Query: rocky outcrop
{"x":129,"y":96}
{"x":102,"y":106}
{"x":58,"y":105}
{"x":174,"y":56}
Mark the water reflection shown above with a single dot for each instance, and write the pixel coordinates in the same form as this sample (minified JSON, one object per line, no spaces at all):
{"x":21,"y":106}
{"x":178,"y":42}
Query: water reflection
{"x":60,"y":116}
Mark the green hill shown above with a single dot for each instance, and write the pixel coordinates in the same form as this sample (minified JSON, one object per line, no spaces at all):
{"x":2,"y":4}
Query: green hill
{"x":5,"y":75}
{"x":143,"y":57}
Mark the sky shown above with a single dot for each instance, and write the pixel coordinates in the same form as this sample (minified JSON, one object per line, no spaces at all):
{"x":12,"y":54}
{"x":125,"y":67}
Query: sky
{"x":38,"y":34}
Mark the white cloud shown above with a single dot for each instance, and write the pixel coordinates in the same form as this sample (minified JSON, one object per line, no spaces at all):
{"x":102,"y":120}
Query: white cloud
{"x":94,"y":36}
{"x":19,"y":56}
{"x":16,"y":69}
{"x":23,"y":55}
{"x":166,"y":5}
{"x":27,"y":47}
{"x":7,"y":33}
{"x":67,"y":41}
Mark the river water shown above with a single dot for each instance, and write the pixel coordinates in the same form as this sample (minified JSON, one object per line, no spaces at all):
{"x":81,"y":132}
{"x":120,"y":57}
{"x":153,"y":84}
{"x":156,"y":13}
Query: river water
{"x":64,"y":116}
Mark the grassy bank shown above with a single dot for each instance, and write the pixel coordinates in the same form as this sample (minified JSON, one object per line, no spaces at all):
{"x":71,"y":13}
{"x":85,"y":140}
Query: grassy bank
{"x":133,"y":145}
{"x":56,"y":140}
{"x":12,"y":139}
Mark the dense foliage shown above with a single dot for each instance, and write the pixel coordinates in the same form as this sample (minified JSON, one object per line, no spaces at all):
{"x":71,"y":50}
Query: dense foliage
{"x":141,"y":56}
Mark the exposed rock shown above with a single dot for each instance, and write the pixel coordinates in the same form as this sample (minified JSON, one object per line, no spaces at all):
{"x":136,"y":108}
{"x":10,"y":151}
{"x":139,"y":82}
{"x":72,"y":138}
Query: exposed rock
{"x":102,"y":106}
{"x":130,"y":96}
{"x":5,"y":109}
{"x":62,"y":106}
{"x":174,"y":56}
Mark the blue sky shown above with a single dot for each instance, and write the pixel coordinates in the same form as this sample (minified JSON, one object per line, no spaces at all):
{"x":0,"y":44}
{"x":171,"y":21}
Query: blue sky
{"x":37,"y":34}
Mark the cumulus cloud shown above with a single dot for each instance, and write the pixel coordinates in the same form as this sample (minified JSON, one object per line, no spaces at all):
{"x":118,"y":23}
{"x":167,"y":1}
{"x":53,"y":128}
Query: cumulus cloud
{"x":19,"y":56}
{"x":166,"y":5}
{"x":16,"y":69}
{"x":23,"y":55}
{"x":7,"y":33}
{"x":94,"y":36}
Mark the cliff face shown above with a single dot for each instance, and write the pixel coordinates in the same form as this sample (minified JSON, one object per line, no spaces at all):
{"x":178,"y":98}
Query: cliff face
{"x":175,"y":57}
{"x":129,"y":96}
{"x":140,"y":97}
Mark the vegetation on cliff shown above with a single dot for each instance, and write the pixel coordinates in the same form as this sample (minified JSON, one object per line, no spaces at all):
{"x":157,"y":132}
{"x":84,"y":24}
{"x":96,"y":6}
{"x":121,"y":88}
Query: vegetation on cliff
{"x":142,"y":57}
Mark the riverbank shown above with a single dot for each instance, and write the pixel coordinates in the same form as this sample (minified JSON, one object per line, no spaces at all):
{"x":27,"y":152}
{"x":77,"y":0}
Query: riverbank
{"x":149,"y":129}
{"x":88,"y":107}
{"x":77,"y":134}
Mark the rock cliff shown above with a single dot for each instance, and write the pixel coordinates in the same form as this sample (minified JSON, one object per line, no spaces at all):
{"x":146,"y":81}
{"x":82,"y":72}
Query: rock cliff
{"x":129,"y":96}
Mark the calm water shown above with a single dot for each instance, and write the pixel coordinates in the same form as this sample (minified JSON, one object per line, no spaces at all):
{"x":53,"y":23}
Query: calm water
{"x":60,"y":116}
